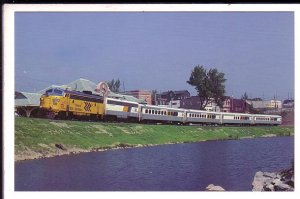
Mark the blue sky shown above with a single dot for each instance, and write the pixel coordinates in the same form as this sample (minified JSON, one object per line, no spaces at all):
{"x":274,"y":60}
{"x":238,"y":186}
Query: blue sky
{"x":157,"y":50}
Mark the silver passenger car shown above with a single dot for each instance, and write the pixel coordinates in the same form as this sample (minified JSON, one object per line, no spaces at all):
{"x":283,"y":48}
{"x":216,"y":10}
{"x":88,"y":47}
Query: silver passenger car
{"x":267,"y":119}
{"x":198,"y":116}
{"x":164,"y":114}
{"x":236,"y":118}
{"x":121,"y":108}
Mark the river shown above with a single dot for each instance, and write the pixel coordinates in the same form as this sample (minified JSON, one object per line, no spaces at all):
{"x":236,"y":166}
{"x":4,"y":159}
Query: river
{"x":178,"y":167}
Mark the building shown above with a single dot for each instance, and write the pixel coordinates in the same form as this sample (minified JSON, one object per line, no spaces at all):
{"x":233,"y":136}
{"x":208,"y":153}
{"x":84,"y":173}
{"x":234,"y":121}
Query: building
{"x":77,"y":85}
{"x":171,"y":98}
{"x":288,"y":103}
{"x":144,"y":95}
{"x":235,"y":105}
{"x":27,"y":104}
{"x":157,"y":100}
{"x":193,"y":102}
{"x":266,"y":104}
{"x":175,"y":95}
{"x":229,"y":105}
{"x":275,"y":104}
{"x":126,"y":97}
{"x":174,"y":104}
{"x":212,"y":106}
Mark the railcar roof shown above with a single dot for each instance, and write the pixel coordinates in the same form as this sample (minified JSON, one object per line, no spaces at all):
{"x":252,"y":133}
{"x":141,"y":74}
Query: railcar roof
{"x":262,"y":115}
{"x":121,"y":100}
{"x":83,"y":94}
{"x":163,"y":107}
{"x":202,"y":111}
{"x":242,"y":114}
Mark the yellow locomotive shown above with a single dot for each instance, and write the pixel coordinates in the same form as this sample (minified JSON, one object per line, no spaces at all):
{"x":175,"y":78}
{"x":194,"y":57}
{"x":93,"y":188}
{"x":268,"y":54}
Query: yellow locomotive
{"x":59,"y":103}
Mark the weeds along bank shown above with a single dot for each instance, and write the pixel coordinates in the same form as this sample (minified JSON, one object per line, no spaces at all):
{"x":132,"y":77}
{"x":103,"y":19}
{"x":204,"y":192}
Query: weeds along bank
{"x":36,"y":138}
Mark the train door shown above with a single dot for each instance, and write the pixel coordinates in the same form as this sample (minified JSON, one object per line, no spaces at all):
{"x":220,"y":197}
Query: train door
{"x":184,"y":118}
{"x":139,"y":112}
{"x":221,"y":118}
{"x":105,"y":105}
{"x":253,"y":120}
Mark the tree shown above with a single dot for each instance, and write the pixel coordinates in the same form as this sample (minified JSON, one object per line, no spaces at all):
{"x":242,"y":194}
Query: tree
{"x":257,"y":99}
{"x":209,"y":85}
{"x":245,"y":96}
{"x":114,"y":86}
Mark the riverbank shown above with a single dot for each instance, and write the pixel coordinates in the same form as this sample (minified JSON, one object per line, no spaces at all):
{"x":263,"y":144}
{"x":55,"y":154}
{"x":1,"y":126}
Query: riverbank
{"x":39,"y":138}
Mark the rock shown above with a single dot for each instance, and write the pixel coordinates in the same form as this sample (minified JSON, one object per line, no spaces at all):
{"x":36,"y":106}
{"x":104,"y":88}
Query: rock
{"x":283,"y":187}
{"x":276,"y":182}
{"x":270,"y":175}
{"x":209,"y":186}
{"x":259,"y":181}
{"x":290,"y":183}
{"x":212,"y":187}
{"x":259,"y":174}
{"x":278,"y":176}
{"x":279,"y":181}
{"x":60,"y":146}
{"x":269,"y":187}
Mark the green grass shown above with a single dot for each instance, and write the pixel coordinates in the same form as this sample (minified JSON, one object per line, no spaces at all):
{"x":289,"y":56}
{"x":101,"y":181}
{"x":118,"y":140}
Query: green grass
{"x":37,"y":137}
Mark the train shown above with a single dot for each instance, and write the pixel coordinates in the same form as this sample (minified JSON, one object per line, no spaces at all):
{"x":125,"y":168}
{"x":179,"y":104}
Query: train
{"x":65,"y":104}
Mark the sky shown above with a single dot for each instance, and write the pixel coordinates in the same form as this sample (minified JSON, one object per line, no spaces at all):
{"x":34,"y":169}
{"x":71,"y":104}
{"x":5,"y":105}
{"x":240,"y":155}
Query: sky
{"x":157,"y":50}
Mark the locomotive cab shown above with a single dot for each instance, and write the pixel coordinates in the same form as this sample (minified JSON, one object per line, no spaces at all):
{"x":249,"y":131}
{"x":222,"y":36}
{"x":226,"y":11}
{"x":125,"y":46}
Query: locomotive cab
{"x":52,"y":101}
{"x":51,"y":98}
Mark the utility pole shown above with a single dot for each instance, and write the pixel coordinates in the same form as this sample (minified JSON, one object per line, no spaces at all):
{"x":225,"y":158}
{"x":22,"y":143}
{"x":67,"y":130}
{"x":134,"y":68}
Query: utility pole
{"x":231,"y":108}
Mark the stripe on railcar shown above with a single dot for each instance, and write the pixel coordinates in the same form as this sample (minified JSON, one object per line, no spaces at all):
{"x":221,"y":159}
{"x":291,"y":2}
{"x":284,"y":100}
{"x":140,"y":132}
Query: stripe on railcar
{"x":87,"y":106}
{"x":121,"y":103}
{"x":125,"y":109}
{"x":89,"y":98}
{"x":128,"y":109}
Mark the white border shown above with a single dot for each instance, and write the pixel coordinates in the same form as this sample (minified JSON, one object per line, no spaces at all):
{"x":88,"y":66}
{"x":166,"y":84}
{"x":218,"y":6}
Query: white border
{"x":8,"y":74}
{"x":149,"y":7}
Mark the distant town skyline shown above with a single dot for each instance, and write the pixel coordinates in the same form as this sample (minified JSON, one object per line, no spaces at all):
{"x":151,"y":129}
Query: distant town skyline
{"x":157,"y":50}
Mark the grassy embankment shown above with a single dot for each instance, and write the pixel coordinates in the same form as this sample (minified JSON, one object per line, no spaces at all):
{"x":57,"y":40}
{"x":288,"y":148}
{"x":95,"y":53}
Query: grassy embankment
{"x":35,"y":138}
